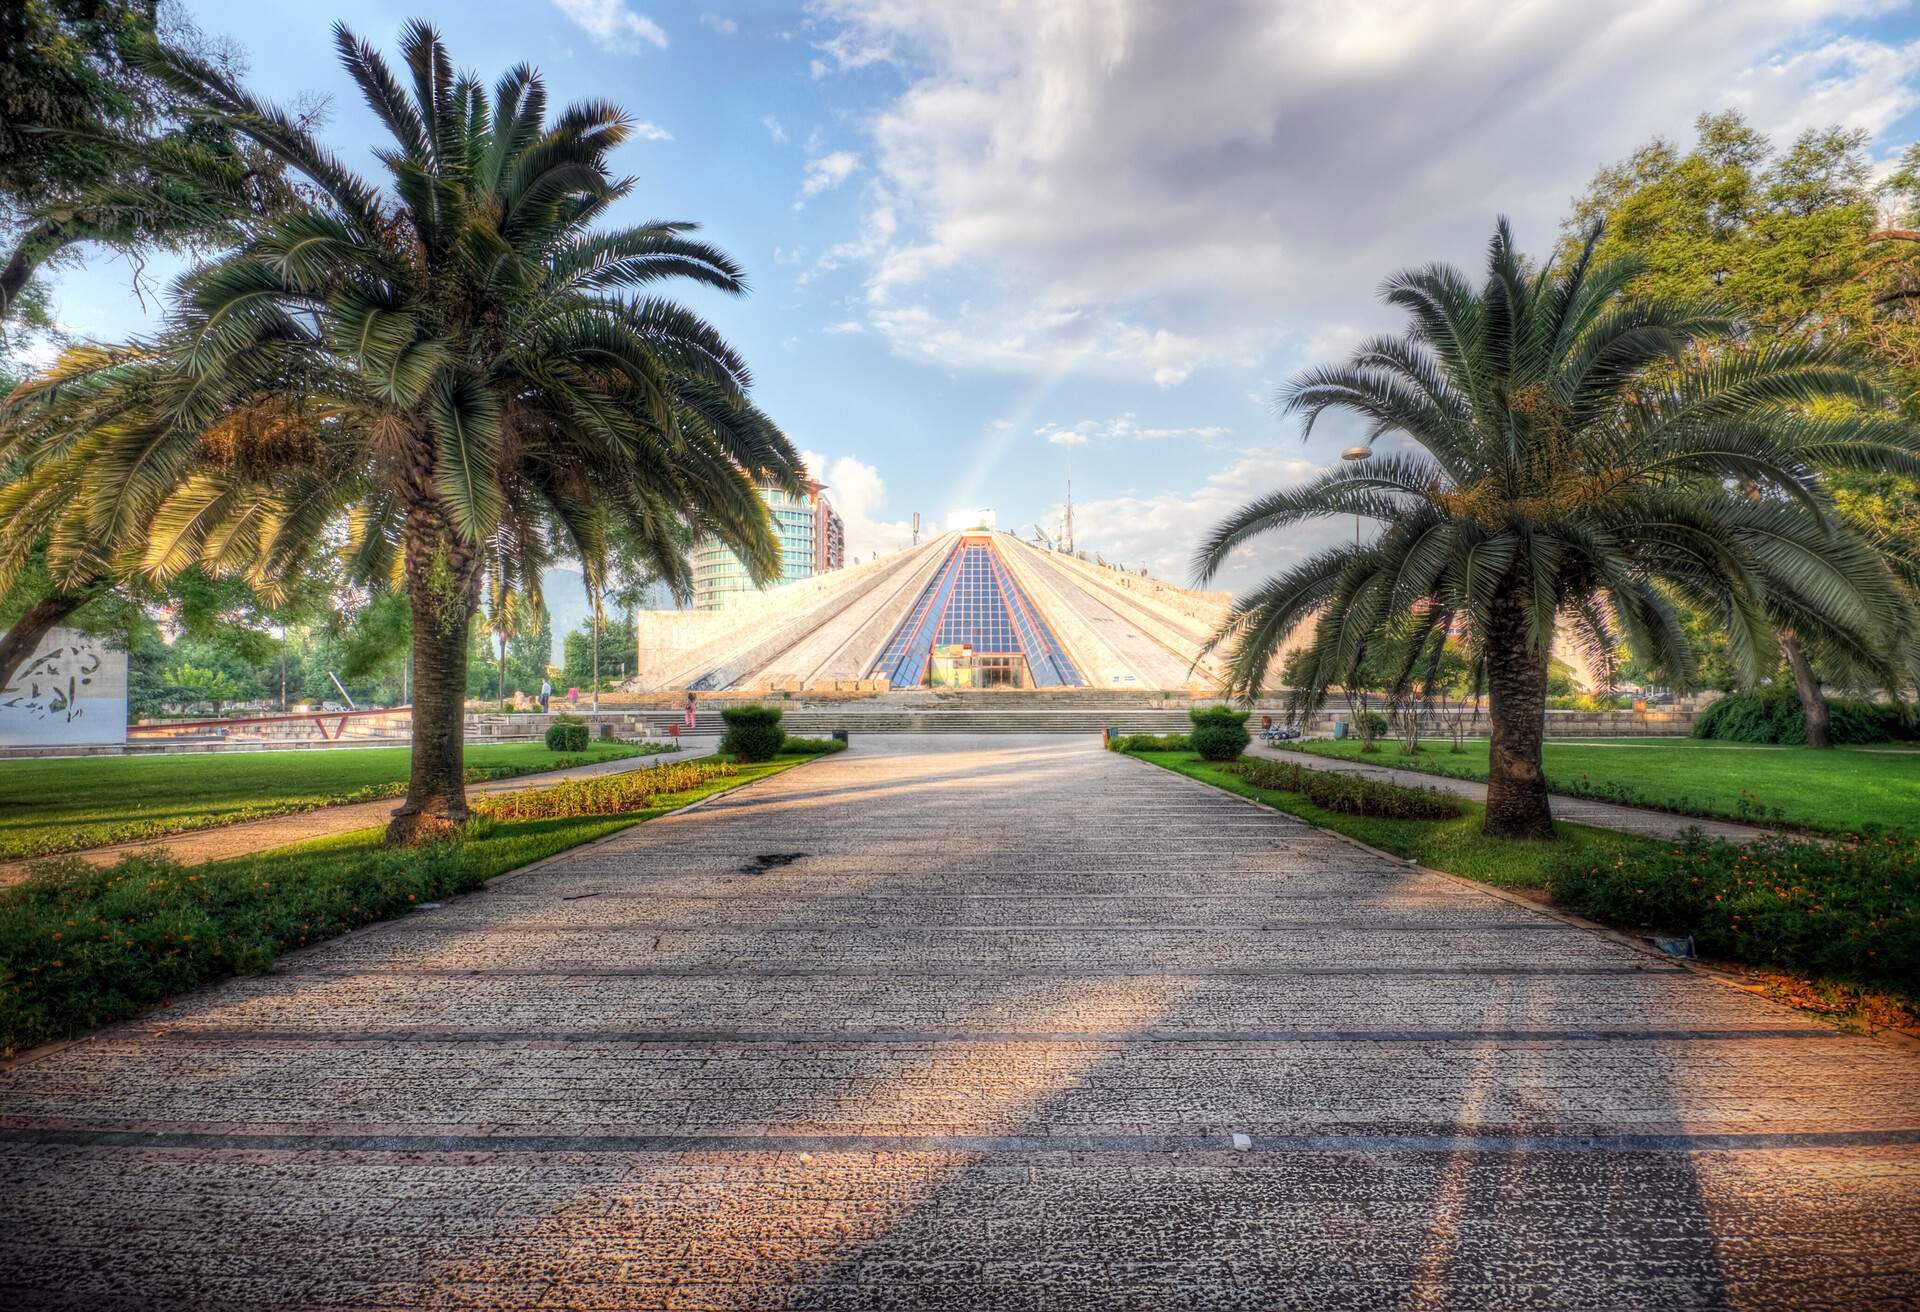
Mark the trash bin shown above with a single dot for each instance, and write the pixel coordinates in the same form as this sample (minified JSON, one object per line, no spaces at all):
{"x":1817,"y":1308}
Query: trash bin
{"x":1339,"y":728}
{"x":839,"y":735}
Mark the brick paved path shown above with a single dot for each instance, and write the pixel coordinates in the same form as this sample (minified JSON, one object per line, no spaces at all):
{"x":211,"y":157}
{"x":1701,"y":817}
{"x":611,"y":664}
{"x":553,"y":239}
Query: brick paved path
{"x":967,"y":1023}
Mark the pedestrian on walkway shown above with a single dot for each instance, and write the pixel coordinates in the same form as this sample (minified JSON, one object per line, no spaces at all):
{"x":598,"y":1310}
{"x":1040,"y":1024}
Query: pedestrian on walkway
{"x":688,"y":709}
{"x":546,"y":695}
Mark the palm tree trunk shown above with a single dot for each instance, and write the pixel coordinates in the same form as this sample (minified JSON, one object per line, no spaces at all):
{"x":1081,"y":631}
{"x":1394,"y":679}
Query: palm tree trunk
{"x":1517,"y":802}
{"x":28,"y":254}
{"x":1813,"y":702}
{"x":443,"y":578}
{"x":20,"y":641}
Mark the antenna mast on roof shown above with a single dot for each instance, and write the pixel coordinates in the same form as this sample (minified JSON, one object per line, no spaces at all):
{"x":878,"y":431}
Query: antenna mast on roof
{"x":1069,"y":504}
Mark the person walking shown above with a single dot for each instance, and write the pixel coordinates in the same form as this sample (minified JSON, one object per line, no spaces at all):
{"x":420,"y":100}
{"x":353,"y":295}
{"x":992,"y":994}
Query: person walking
{"x":546,"y":695}
{"x":689,"y":710}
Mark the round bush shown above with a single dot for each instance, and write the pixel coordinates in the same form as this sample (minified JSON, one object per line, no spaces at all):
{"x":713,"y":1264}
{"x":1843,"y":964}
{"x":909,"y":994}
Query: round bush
{"x":1219,"y":732}
{"x":753,"y":733}
{"x":567,"y":735}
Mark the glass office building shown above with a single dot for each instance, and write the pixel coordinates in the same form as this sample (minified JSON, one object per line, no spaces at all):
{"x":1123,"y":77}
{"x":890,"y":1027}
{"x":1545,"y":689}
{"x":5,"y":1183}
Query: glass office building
{"x":797,"y":523}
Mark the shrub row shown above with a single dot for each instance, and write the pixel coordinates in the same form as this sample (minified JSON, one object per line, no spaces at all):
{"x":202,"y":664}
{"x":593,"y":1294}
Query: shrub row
{"x":607,"y":794}
{"x":1774,"y":715}
{"x":1349,"y":794}
{"x":753,"y":733}
{"x":1849,"y":911}
{"x":1149,"y":742}
{"x":82,"y":945}
{"x":811,"y":746}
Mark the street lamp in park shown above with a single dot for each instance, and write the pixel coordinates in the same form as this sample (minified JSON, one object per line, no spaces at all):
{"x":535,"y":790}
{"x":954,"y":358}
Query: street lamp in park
{"x":1357,"y":453}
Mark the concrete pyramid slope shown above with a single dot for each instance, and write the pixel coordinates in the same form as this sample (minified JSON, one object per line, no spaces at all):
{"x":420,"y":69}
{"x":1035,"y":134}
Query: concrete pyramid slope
{"x":978,"y":608}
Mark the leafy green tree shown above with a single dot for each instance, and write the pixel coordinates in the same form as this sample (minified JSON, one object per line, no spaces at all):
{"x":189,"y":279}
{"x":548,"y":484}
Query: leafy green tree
{"x":530,"y":652}
{"x":1573,"y":454}
{"x":96,"y":149}
{"x":1788,"y":239}
{"x":191,"y":684}
{"x":459,"y":360}
{"x":616,"y":648}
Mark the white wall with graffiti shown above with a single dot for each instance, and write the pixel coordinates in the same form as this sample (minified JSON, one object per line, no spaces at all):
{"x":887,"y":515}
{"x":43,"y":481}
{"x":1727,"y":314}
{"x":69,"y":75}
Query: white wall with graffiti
{"x":72,"y":692}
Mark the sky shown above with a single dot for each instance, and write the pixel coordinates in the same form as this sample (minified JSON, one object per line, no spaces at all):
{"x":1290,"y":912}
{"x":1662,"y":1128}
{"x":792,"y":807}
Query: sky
{"x":995,"y":246}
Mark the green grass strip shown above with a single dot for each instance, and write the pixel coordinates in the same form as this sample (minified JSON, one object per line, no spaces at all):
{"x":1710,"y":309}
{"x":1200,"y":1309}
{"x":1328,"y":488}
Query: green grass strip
{"x":1838,"y":791}
{"x":69,"y":805}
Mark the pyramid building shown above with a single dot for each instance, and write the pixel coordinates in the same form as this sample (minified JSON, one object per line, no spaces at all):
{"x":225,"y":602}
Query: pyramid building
{"x":965,"y":610}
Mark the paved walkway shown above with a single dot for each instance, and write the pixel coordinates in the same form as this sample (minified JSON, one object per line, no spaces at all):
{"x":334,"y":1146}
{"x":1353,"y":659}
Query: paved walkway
{"x":224,"y":841}
{"x":1576,"y":810}
{"x":967,"y":1023}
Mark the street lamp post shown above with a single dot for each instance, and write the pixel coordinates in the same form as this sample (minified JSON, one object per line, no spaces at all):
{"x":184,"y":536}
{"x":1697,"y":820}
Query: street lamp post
{"x":1357,"y":453}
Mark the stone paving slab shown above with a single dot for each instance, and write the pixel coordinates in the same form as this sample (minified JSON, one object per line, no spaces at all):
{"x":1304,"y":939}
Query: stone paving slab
{"x":993,"y":1054}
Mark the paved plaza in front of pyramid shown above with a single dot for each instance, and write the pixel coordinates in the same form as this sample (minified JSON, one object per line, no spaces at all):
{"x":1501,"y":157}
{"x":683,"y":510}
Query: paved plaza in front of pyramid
{"x":968,"y":609}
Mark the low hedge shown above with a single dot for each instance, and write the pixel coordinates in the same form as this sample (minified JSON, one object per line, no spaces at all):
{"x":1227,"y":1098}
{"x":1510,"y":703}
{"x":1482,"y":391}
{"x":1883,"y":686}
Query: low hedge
{"x":1775,"y":716}
{"x":1219,"y":732}
{"x":1848,"y":911}
{"x":1350,"y":794}
{"x":753,"y":733}
{"x":604,"y":794}
{"x":1149,"y":742}
{"x":811,"y":746}
{"x":567,"y":734}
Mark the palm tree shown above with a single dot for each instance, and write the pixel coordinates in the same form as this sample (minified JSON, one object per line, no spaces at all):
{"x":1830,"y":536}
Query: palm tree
{"x":458,"y":361}
{"x":1573,"y":460}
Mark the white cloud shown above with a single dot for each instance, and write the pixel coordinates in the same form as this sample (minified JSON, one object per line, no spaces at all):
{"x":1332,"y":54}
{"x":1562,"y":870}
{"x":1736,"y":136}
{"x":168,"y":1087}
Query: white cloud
{"x":858,"y":493}
{"x":1034,"y":157}
{"x":1161,"y":531}
{"x":1125,"y":427}
{"x":613,"y":24}
{"x":646,"y":131}
{"x":825,"y":172}
{"x":846,"y":327}
{"x":724,"y":26}
{"x":775,"y":129}
{"x":1044,"y":341}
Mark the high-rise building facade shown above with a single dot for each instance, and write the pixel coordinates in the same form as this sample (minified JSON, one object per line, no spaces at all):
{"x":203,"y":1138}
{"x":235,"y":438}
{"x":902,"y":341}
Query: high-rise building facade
{"x":830,"y":538}
{"x":717,"y":571}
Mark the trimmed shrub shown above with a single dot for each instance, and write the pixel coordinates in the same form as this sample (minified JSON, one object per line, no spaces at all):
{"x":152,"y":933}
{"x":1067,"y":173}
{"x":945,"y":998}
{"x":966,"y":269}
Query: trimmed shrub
{"x":567,"y":734}
{"x":1350,"y":794}
{"x":753,"y":733}
{"x":811,"y":746}
{"x":606,"y":794}
{"x":1849,"y":911}
{"x":1150,"y":742}
{"x":1774,"y":715}
{"x":1219,"y":732}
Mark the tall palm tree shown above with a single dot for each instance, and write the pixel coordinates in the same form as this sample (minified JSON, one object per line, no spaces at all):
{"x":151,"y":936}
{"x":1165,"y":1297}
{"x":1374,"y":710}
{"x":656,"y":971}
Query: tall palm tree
{"x":458,"y":360}
{"x":1572,"y":460}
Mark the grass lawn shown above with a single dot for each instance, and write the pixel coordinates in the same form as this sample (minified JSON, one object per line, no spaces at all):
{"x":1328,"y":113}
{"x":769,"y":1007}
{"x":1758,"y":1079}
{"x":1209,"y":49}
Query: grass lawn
{"x":1845,"y":790}
{"x":66,"y":805}
{"x":1455,"y":846}
{"x":83,"y":945}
